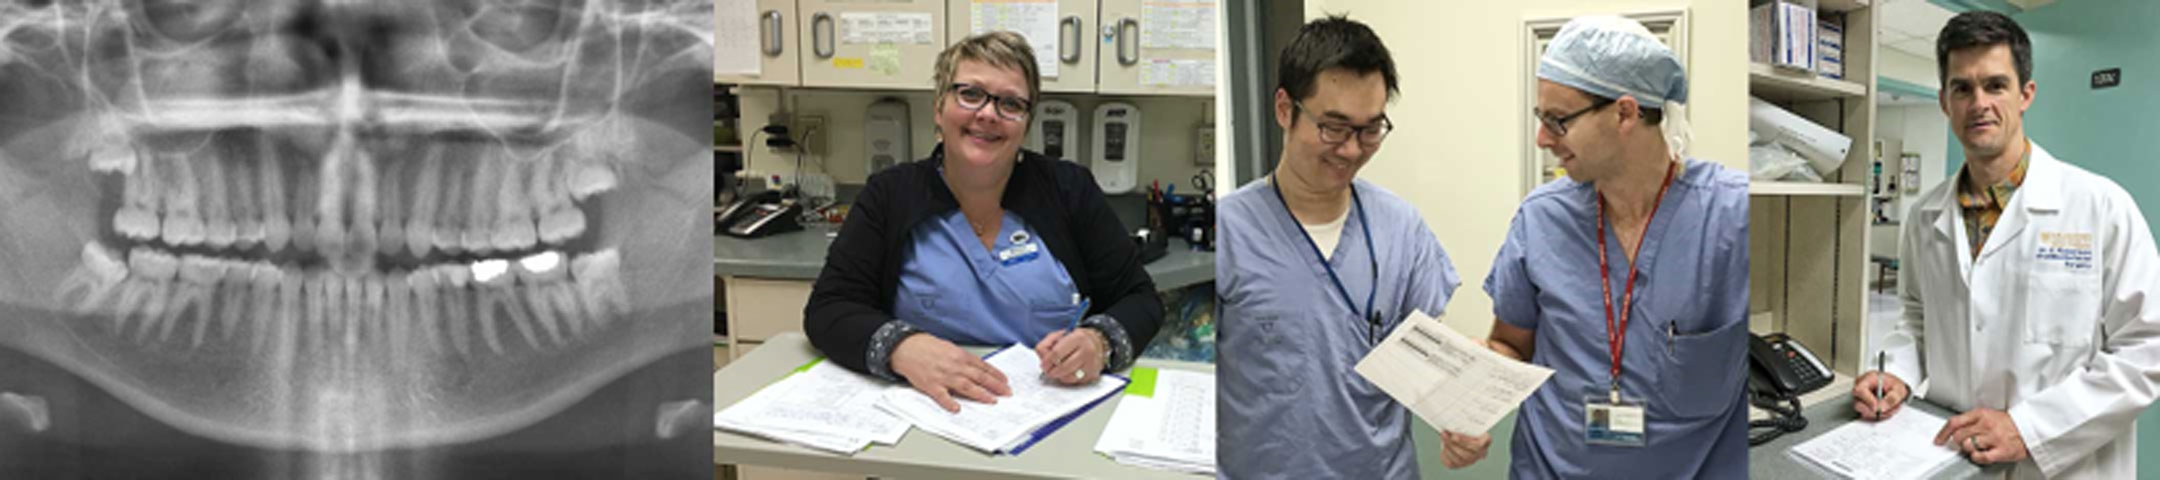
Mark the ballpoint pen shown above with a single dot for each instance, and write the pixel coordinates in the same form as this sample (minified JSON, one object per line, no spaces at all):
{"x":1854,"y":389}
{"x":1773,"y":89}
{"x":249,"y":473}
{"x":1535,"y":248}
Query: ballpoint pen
{"x":1879,"y":384}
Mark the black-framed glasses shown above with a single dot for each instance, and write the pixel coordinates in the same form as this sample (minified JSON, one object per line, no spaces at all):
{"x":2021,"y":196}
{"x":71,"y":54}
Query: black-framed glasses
{"x":1339,"y":132}
{"x":973,"y":98}
{"x":1558,"y":125}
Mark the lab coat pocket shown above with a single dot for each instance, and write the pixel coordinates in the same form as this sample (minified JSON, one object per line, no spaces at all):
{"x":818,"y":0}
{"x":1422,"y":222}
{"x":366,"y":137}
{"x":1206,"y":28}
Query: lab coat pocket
{"x":1270,"y":351}
{"x":2062,"y":308}
{"x":1702,"y":370}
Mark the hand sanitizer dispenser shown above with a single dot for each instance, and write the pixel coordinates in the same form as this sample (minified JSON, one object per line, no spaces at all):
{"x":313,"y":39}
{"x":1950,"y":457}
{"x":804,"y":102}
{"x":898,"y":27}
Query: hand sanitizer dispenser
{"x":1116,"y":156}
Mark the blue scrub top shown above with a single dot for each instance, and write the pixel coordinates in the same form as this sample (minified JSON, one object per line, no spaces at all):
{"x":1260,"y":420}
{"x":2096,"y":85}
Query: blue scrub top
{"x":1014,"y":292}
{"x":1289,"y":406}
{"x":1686,"y":334}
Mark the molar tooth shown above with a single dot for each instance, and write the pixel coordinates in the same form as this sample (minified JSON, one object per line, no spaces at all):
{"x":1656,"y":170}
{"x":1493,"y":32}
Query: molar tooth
{"x":492,"y":290}
{"x":514,"y":229}
{"x":198,"y":281}
{"x":145,"y":291}
{"x":585,"y":179}
{"x":218,"y":228}
{"x":142,"y":191}
{"x":488,"y":178}
{"x":97,"y":278}
{"x":560,"y":219}
{"x":540,"y":276}
{"x":183,"y":219}
{"x":599,"y":282}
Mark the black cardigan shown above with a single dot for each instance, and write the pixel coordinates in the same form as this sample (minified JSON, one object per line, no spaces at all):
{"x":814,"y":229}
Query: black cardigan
{"x":854,"y":293}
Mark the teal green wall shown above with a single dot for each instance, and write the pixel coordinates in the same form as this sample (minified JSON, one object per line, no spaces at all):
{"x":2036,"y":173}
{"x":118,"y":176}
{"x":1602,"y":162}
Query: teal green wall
{"x":2113,"y":132}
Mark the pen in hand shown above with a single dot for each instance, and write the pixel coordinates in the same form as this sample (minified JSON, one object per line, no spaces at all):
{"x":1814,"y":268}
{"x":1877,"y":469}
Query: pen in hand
{"x":1069,"y":329}
{"x":1879,"y":398}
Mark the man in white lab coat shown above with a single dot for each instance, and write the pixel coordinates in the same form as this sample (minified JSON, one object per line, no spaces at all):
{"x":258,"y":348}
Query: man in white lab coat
{"x":2028,"y":286}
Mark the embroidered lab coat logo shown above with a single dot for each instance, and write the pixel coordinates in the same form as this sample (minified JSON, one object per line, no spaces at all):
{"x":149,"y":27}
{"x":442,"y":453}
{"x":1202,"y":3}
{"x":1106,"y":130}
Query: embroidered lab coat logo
{"x":2073,"y":250}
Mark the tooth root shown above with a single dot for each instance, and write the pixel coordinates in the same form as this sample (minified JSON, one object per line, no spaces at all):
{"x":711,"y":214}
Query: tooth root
{"x":334,"y":181}
{"x":599,"y":281}
{"x":389,"y":215}
{"x":395,"y":314}
{"x":482,"y":202}
{"x":144,"y":293}
{"x":536,"y":299}
{"x":92,"y":282}
{"x":263,"y":288}
{"x":183,"y":218}
{"x":325,"y":297}
{"x":218,"y":229}
{"x":292,"y":299}
{"x":198,"y":282}
{"x":420,"y":218}
{"x":233,"y":298}
{"x":306,"y":200}
{"x":492,"y":284}
{"x":426,"y":307}
{"x":450,"y":216}
{"x":585,"y":179}
{"x":356,"y":315}
{"x":457,"y":304}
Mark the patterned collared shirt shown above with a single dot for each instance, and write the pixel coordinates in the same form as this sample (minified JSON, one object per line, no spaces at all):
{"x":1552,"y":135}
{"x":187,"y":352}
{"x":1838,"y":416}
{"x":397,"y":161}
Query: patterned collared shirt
{"x":1982,"y":208}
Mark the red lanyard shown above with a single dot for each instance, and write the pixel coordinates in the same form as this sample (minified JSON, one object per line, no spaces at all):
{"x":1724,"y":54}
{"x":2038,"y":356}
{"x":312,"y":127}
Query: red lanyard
{"x":1616,"y":334}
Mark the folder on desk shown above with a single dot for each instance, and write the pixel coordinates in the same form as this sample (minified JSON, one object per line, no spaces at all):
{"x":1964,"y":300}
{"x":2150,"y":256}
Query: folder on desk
{"x":1036,"y":408}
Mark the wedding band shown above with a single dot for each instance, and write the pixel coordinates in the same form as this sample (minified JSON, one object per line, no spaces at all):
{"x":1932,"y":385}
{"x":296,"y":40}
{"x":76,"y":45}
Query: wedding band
{"x":1972,"y":443}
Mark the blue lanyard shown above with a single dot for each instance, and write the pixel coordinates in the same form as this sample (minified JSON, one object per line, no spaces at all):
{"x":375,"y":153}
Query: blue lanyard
{"x":1372,"y":319}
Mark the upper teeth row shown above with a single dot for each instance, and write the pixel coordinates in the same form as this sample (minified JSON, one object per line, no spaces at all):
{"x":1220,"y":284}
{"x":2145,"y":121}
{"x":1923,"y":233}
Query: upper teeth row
{"x":357,"y":207}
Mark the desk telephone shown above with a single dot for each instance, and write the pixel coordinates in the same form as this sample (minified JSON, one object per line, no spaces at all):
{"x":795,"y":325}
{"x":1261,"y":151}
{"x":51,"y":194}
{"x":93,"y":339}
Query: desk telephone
{"x":759,"y":215}
{"x":1780,"y":369}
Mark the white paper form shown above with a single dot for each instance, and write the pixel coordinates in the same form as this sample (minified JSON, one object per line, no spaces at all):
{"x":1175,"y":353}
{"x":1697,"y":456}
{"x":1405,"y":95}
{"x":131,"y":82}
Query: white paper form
{"x":1900,"y":447}
{"x":865,"y":28}
{"x":1034,"y":19}
{"x":825,"y":407}
{"x":994,"y":427}
{"x":1177,"y":73}
{"x":1178,"y":24}
{"x":1452,"y":382}
{"x":1172,"y":427}
{"x":735,"y":47}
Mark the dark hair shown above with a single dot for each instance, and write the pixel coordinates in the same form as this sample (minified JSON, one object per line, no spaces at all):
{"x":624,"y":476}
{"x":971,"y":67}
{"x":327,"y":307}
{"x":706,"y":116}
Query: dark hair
{"x":1981,"y":28}
{"x":1331,"y":43}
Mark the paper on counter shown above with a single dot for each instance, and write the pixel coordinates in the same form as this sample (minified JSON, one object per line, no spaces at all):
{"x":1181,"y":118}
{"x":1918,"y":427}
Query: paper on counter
{"x":1452,"y":382}
{"x":1166,"y":421}
{"x":1900,"y":447}
{"x":995,"y":427}
{"x":736,"y":47}
{"x":824,"y":406}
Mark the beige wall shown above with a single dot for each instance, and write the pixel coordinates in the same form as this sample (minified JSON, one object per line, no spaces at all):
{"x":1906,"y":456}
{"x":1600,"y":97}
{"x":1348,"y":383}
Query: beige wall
{"x":1457,"y":155}
{"x":1908,"y":67}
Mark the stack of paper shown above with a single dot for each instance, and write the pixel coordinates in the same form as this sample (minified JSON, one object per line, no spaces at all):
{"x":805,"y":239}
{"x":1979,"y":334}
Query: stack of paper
{"x":1452,"y":382}
{"x":1013,"y":421}
{"x":1166,"y":421}
{"x":1900,"y":447}
{"x":821,"y":406}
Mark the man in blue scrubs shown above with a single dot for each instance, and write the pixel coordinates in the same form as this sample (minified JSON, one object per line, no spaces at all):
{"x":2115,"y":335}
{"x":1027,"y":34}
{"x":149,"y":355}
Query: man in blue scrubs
{"x":1313,"y":267}
{"x":1648,"y":367}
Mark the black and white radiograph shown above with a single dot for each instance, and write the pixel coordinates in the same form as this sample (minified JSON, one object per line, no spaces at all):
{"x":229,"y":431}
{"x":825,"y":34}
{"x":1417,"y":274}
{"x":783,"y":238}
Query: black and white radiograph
{"x":352,"y":231}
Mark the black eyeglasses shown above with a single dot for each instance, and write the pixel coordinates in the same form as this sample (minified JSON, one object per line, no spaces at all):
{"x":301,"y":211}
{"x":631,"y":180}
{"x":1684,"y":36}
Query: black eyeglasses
{"x":1339,"y":132}
{"x":974,"y":98}
{"x":1558,"y":125}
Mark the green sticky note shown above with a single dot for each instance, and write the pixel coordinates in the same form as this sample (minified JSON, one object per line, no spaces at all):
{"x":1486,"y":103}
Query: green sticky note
{"x":1143,"y":382}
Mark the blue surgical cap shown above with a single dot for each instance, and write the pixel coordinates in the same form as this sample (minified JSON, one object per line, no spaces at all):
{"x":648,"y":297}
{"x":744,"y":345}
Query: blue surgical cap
{"x":1610,"y":57}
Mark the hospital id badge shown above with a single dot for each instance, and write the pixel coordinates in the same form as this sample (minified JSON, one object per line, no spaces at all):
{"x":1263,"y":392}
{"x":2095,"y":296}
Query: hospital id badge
{"x":1611,"y":418}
